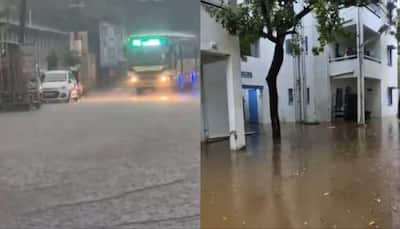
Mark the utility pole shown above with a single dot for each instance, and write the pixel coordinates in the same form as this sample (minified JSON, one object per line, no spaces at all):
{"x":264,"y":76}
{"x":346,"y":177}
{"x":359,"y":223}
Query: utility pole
{"x":22,"y":21}
{"x":360,"y":78}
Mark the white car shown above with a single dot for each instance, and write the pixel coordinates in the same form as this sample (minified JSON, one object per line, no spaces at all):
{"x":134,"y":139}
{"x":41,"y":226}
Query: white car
{"x":59,"y":86}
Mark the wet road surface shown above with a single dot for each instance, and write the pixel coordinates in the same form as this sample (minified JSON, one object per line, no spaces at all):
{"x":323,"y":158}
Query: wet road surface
{"x":319,"y":177}
{"x":109,"y":161}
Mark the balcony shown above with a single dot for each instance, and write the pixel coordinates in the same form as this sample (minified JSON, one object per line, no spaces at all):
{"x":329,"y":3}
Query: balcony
{"x":343,"y":66}
{"x":343,"y":59}
{"x":372,"y":16}
{"x":347,"y":66}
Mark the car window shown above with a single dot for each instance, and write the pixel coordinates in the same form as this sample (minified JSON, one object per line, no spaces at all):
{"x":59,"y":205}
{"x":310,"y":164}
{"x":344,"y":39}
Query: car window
{"x":55,"y":77}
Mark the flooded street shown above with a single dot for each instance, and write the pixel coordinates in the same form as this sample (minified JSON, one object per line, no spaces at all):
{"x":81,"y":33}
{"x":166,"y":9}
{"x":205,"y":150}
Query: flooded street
{"x":321,"y":176}
{"x":112,"y":160}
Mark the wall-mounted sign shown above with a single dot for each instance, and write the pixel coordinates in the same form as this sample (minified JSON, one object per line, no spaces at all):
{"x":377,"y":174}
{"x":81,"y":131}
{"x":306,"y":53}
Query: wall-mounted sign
{"x":247,"y":75}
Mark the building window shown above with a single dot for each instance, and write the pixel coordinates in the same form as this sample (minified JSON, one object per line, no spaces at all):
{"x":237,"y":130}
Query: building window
{"x":290,"y":91}
{"x":252,"y":50}
{"x":308,"y":95}
{"x":390,"y":96}
{"x":390,"y":55}
{"x":288,"y":47}
{"x":306,"y":45}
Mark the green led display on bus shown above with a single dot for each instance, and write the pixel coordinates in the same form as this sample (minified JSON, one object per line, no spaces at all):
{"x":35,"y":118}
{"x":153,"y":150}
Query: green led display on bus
{"x":138,"y":42}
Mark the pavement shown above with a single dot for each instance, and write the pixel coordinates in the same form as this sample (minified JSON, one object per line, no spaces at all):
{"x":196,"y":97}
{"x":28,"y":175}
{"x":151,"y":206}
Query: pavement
{"x":320,"y":176}
{"x":112,"y":160}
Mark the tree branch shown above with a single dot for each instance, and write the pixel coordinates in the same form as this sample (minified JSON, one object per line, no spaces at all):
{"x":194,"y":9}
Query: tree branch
{"x":267,"y":23}
{"x":302,"y":14}
{"x":269,"y":36}
{"x":293,"y":31}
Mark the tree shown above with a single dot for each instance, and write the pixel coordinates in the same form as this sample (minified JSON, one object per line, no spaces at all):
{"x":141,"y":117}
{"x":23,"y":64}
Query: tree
{"x":275,"y":20}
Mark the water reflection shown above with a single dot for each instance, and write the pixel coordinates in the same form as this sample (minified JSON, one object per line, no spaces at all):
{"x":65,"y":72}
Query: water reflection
{"x":322,"y":176}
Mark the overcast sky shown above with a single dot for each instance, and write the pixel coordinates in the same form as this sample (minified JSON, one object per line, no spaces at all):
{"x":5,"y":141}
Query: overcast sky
{"x":164,"y":15}
{"x":143,"y":16}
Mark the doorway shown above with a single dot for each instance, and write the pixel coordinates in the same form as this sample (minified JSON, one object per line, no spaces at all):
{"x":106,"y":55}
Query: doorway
{"x":253,"y":105}
{"x":214,"y":96}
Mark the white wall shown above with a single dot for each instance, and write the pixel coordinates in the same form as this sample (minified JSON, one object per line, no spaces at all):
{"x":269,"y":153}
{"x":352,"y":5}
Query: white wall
{"x":372,"y":97}
{"x":259,"y":67}
{"x":388,"y":76}
{"x":213,"y":33}
{"x":317,"y":70}
{"x":214,"y":94}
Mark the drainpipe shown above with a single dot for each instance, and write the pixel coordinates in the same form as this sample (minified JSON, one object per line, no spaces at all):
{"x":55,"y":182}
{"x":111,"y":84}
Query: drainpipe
{"x":22,"y":21}
{"x":360,"y":78}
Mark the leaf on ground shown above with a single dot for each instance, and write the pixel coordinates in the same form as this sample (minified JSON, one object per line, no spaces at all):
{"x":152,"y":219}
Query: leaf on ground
{"x":372,"y":223}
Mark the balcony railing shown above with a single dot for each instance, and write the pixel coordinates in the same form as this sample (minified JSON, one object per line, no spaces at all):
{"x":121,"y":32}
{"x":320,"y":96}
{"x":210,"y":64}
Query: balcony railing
{"x":351,"y":57}
{"x":342,"y":58}
{"x":348,"y":65}
{"x":372,"y":58}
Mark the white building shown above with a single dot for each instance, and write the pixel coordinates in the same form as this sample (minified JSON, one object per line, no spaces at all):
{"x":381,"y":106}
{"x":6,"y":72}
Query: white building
{"x":318,"y":88}
{"x":222,"y":106}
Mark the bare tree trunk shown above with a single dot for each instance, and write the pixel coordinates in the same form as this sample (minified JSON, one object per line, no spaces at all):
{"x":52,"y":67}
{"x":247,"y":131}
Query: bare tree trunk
{"x":273,"y":90}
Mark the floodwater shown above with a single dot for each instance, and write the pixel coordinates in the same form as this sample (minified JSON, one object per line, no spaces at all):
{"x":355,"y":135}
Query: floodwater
{"x":323,"y":176}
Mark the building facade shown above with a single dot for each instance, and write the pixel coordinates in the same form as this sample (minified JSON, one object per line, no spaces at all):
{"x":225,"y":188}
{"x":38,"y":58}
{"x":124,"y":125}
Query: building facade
{"x":221,"y":103}
{"x":356,"y":73}
{"x":44,"y":39}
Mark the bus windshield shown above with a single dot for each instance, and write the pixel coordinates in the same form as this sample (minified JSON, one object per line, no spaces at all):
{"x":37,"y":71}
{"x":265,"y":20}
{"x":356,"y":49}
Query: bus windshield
{"x":149,"y":56}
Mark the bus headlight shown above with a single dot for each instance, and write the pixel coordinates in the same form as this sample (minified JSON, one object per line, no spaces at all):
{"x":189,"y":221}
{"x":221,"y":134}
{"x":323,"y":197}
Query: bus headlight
{"x":134,"y":79}
{"x":164,"y":79}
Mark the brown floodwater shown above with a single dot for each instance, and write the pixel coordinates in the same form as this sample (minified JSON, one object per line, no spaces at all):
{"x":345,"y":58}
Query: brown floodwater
{"x":323,"y":176}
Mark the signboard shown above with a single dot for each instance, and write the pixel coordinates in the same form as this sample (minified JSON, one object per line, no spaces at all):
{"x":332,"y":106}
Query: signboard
{"x":111,"y":44}
{"x":247,"y":75}
{"x":29,"y":59}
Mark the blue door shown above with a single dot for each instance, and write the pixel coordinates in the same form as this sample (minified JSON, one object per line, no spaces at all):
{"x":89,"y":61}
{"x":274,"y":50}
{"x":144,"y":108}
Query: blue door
{"x":253,"y":106}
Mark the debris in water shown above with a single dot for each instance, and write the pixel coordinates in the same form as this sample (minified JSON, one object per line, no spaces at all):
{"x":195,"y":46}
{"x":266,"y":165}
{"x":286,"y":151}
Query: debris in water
{"x":326,"y":193}
{"x":305,"y":223}
{"x":244,"y":222}
{"x":378,"y":200}
{"x":372,"y":223}
{"x":224,"y":218}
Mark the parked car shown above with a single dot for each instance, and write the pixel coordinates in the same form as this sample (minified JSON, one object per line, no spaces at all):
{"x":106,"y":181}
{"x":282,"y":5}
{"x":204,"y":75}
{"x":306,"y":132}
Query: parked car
{"x":59,"y":85}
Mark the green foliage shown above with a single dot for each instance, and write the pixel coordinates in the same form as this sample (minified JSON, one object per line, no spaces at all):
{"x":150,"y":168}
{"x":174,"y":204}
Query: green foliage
{"x":276,"y":19}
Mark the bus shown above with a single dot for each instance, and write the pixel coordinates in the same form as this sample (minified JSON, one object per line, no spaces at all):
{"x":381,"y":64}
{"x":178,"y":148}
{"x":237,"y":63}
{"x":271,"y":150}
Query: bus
{"x":158,"y":63}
